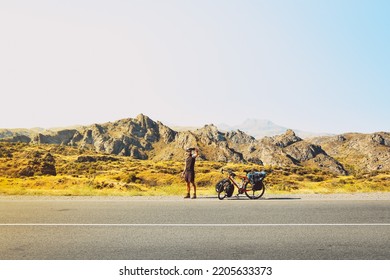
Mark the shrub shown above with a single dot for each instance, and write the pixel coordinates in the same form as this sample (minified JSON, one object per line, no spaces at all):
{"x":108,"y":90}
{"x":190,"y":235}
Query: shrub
{"x":131,"y":178}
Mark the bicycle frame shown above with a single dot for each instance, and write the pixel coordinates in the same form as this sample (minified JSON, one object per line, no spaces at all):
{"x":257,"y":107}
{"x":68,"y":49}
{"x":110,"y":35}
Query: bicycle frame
{"x":244,"y":180}
{"x":245,"y":187}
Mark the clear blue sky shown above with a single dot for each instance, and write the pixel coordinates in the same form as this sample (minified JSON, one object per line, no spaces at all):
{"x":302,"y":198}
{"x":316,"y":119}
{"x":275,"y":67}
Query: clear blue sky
{"x":321,"y":66}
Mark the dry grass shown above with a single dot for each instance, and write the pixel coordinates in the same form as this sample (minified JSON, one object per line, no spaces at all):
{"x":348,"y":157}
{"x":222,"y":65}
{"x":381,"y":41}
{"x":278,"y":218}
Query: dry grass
{"x":122,"y":176}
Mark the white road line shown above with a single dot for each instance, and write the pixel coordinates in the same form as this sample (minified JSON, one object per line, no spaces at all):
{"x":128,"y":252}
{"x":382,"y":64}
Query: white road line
{"x":185,"y":225}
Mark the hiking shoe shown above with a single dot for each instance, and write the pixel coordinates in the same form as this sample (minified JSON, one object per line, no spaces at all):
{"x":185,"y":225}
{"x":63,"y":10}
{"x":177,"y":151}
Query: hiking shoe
{"x":187,"y":196}
{"x":194,"y":196}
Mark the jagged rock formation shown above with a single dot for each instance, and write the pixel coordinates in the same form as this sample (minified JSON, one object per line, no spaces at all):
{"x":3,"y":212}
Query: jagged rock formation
{"x":143,"y":138}
{"x":282,"y":150}
{"x":360,"y":152}
{"x":127,"y":137}
{"x":289,"y":149}
{"x":212,"y":143}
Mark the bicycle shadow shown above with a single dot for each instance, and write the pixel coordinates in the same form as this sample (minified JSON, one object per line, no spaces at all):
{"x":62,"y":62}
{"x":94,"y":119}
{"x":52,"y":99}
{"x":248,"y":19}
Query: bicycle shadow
{"x":282,"y":198}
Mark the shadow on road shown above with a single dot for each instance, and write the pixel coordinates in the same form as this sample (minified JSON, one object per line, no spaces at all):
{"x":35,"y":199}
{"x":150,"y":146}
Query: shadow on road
{"x":246,"y":198}
{"x":282,"y":198}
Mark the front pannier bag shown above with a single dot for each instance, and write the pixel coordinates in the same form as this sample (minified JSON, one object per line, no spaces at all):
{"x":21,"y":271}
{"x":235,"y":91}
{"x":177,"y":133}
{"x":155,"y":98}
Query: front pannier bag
{"x":225,"y":185}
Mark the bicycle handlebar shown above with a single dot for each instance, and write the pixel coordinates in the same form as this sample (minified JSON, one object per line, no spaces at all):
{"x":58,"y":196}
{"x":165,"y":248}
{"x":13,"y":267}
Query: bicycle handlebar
{"x":231,"y":173}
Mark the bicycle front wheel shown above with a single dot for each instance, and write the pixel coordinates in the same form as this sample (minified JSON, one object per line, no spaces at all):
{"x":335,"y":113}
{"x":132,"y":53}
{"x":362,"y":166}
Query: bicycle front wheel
{"x":221,"y":194}
{"x":222,"y":188}
{"x":254,"y":192}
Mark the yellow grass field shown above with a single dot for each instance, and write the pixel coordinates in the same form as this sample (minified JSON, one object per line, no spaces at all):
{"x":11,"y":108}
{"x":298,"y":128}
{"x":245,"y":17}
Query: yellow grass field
{"x":123,"y":176}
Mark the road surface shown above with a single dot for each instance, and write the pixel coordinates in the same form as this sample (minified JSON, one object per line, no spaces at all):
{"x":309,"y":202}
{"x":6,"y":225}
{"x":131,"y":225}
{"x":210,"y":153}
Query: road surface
{"x":281,"y":227}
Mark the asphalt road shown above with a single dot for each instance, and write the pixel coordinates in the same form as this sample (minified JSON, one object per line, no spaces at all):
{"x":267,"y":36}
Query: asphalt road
{"x":117,"y":229}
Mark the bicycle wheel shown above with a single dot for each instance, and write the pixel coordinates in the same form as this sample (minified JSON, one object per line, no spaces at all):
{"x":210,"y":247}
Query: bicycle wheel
{"x":222,"y":194}
{"x":252,"y":192}
{"x":223,"y":188}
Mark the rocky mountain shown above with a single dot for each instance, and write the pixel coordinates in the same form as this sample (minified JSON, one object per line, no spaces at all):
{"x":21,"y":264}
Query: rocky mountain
{"x":360,"y":152}
{"x":143,"y":138}
{"x":127,"y":137}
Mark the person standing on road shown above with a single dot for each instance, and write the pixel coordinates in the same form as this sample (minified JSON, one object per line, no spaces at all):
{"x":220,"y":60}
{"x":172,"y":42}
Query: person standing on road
{"x":189,"y":171}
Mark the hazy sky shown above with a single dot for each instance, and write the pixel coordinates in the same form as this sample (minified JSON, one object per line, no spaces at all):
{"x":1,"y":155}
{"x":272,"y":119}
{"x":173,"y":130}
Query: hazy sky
{"x":321,"y":66}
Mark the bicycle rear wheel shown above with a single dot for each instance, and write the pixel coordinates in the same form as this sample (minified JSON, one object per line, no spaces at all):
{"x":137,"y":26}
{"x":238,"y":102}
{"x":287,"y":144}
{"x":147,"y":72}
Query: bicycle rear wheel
{"x":254,"y":192}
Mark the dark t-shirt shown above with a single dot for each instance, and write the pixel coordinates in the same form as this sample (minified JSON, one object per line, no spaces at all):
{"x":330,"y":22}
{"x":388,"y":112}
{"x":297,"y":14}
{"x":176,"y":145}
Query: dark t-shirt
{"x":190,"y":164}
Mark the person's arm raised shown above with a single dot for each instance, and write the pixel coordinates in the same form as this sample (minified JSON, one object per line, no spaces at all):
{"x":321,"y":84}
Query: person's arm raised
{"x":196,"y":153}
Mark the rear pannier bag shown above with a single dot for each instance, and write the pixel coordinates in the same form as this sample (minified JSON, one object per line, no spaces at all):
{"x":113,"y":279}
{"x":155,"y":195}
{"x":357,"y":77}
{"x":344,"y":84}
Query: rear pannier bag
{"x":256,"y":179}
{"x":258,"y":186}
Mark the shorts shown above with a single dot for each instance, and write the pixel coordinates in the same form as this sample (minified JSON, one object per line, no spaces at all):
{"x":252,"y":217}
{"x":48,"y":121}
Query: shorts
{"x":189,"y":177}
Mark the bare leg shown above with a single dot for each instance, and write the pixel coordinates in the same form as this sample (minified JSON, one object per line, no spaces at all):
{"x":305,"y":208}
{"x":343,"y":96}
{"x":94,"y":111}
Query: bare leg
{"x":193,"y":184}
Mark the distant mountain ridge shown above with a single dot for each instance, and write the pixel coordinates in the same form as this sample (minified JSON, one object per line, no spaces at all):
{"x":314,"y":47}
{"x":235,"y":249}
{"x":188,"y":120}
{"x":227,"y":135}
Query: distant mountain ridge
{"x":143,"y":138}
{"x":262,"y":128}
